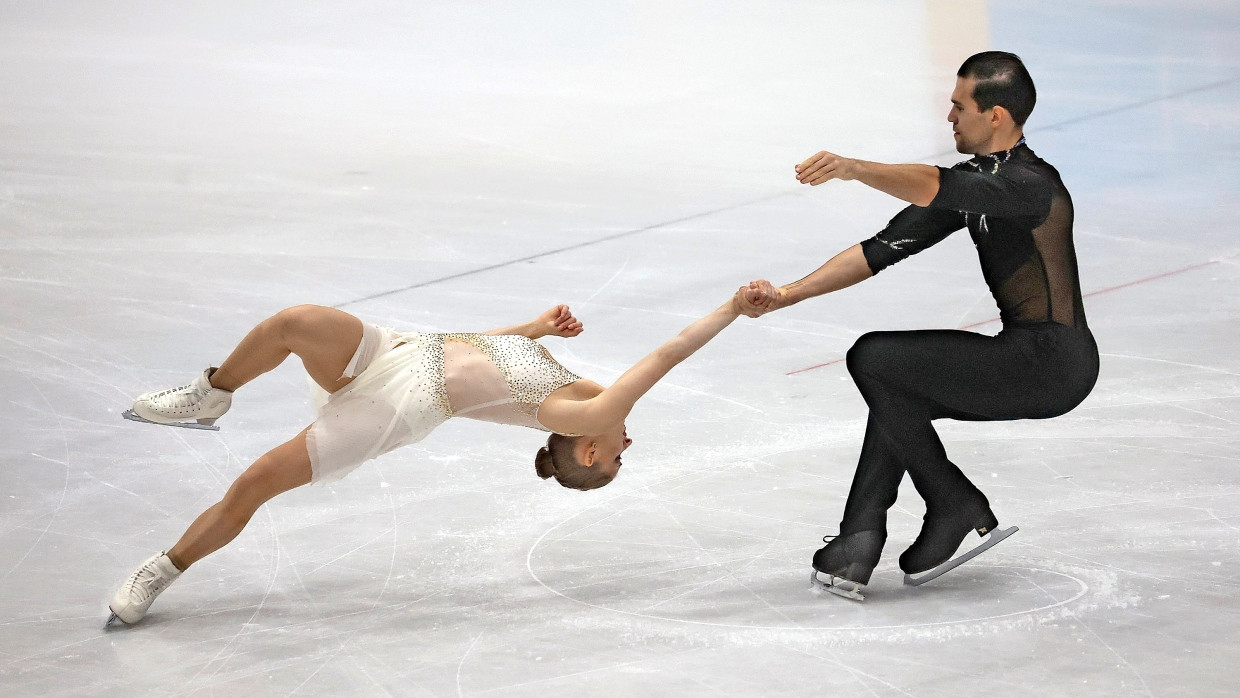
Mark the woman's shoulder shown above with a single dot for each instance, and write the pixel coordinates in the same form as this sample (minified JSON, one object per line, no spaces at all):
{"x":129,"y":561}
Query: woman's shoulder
{"x":577,"y":391}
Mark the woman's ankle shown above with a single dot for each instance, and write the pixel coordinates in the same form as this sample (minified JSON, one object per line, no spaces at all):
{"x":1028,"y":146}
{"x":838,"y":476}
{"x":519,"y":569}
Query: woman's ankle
{"x":222,"y":380}
{"x":176,"y":561}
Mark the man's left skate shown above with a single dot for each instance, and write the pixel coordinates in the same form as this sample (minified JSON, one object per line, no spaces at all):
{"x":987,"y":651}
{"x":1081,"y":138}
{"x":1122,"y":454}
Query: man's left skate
{"x":834,"y":584}
{"x":993,"y":539}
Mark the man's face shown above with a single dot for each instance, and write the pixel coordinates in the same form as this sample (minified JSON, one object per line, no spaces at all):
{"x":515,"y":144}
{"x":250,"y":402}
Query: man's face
{"x":972,"y":129}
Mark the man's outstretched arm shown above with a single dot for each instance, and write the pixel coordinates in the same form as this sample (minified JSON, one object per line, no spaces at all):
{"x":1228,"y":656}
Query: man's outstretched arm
{"x":841,"y":271}
{"x":916,"y":184}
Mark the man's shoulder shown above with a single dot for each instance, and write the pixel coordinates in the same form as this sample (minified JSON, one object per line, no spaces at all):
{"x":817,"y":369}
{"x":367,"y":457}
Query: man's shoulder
{"x":1038,"y":172}
{"x":1029,"y":171}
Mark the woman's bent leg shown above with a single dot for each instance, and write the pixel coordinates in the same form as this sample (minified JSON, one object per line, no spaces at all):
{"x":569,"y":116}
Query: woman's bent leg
{"x":279,"y":470}
{"x":324,"y":338}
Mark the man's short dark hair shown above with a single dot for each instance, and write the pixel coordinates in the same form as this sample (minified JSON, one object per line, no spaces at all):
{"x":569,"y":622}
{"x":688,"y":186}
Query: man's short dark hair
{"x":1002,"y":80}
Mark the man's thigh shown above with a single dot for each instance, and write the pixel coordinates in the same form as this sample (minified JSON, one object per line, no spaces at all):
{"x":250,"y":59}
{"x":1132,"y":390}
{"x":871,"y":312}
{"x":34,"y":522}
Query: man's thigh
{"x":958,"y":374}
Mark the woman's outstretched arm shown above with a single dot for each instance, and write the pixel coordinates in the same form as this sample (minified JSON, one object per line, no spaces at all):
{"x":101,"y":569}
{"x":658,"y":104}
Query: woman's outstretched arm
{"x":610,"y":407}
{"x":558,"y":321}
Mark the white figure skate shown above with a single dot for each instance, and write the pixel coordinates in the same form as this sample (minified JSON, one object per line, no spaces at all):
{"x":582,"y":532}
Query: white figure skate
{"x":194,"y":406}
{"x":135,"y":596}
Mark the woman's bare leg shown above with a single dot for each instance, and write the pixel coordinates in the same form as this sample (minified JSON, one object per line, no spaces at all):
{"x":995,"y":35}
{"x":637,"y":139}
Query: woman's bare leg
{"x":324,"y":339}
{"x":281,"y":469}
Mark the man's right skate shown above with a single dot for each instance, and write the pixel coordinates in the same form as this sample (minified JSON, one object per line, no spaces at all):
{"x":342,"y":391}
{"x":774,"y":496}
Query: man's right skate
{"x":193,"y":406}
{"x":939,"y":538}
{"x":848,"y":561}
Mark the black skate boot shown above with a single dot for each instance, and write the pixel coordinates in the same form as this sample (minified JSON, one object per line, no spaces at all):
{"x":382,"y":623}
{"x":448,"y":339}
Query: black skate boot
{"x":850,"y":558}
{"x":941,"y":535}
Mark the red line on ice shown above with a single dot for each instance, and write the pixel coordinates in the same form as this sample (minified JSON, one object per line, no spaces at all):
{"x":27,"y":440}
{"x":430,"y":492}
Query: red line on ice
{"x":1087,"y":295}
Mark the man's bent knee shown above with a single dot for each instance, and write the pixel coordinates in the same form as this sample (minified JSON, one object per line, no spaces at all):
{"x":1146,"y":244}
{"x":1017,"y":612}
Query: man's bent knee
{"x":871,"y":353}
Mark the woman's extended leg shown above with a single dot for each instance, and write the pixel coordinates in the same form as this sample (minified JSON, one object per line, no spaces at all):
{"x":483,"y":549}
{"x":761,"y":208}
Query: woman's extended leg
{"x":324,"y":339}
{"x":281,"y":469}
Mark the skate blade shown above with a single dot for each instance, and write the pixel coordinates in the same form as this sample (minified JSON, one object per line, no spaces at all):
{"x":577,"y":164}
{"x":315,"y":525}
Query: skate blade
{"x":995,"y":537}
{"x":832,"y":586}
{"x":112,"y":618}
{"x":130,"y":415}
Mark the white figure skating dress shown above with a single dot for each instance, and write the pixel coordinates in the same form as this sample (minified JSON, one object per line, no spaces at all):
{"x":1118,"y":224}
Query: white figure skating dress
{"x":407,"y":383}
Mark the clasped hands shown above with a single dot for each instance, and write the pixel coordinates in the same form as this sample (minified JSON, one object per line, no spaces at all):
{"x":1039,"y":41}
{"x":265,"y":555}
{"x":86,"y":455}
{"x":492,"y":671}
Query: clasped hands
{"x":759,"y":298}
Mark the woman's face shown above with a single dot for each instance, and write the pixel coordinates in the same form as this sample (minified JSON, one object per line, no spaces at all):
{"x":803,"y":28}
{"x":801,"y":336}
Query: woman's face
{"x":603,"y":450}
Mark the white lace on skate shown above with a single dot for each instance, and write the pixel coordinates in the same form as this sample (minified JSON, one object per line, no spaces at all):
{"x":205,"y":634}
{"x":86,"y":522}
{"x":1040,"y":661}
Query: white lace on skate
{"x":176,"y":398}
{"x":136,"y":595}
{"x":198,"y":401}
{"x":146,"y":583}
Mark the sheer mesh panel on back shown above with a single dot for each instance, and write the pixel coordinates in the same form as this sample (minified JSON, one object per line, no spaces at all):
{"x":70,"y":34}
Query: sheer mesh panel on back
{"x":1019,"y":214}
{"x":1045,"y":287}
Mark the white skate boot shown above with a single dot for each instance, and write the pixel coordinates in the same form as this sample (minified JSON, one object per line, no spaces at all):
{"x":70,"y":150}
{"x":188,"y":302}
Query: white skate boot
{"x":199,"y":401}
{"x":134,"y":597}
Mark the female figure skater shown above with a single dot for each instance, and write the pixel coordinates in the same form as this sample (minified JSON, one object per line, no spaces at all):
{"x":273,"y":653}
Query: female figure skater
{"x":388,"y":389}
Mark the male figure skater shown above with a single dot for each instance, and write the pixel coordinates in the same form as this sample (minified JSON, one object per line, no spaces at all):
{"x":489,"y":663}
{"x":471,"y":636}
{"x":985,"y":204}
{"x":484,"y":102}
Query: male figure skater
{"x":1042,"y":364}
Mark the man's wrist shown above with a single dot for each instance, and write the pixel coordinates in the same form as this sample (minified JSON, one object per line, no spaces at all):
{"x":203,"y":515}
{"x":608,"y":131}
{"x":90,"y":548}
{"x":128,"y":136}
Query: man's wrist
{"x":787,"y":296}
{"x":852,"y":169}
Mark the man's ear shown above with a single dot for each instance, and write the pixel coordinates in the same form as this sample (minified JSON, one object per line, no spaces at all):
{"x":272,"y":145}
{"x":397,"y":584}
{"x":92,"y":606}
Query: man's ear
{"x":998,"y":114}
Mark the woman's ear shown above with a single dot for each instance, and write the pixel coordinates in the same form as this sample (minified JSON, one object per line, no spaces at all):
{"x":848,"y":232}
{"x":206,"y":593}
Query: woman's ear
{"x":586,"y":452}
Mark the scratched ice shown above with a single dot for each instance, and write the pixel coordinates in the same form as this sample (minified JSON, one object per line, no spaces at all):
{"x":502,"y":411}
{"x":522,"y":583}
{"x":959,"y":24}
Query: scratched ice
{"x":169,"y":176}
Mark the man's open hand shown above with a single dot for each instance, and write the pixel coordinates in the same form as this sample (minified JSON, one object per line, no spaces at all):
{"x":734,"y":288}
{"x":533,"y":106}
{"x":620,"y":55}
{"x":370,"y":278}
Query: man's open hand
{"x":824,"y":166}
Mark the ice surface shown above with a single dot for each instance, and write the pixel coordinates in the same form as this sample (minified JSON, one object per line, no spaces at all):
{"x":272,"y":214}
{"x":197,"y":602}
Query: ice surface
{"x":169,"y":176}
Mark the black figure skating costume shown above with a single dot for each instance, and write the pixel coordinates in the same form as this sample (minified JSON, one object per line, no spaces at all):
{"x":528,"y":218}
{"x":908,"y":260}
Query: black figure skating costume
{"x":1042,"y":364}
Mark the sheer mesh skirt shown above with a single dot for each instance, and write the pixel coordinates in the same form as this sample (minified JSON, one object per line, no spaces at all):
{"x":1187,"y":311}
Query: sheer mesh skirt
{"x":396,"y":398}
